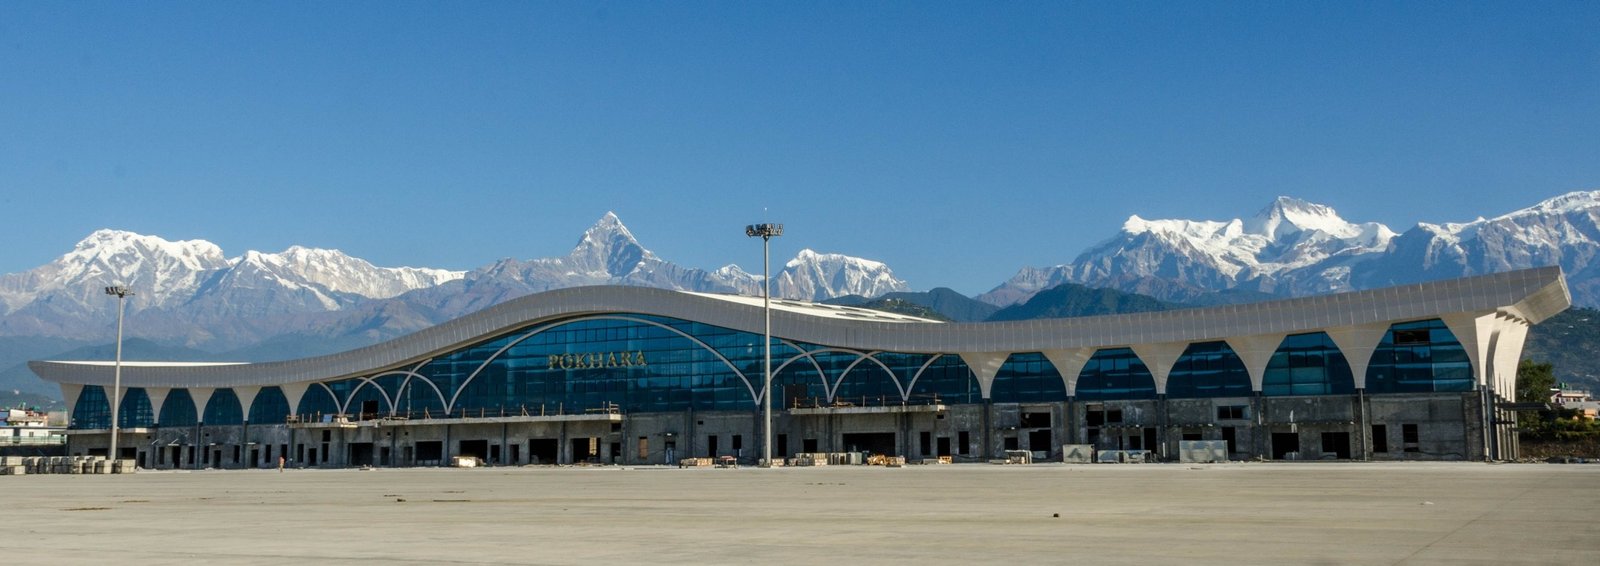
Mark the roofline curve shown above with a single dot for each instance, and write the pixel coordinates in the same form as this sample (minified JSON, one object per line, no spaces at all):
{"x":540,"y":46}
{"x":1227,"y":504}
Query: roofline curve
{"x":1531,"y":295}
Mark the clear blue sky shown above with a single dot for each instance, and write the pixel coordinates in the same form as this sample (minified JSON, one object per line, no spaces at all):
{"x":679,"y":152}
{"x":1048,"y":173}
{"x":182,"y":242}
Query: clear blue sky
{"x":955,"y":141}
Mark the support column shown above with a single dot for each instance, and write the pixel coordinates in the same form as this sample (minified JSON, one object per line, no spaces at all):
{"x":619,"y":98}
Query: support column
{"x":1159,"y":359}
{"x":984,"y":366}
{"x":1357,"y":343}
{"x":293,"y":392}
{"x":1256,"y":352}
{"x":1069,"y":363}
{"x":158,"y":397}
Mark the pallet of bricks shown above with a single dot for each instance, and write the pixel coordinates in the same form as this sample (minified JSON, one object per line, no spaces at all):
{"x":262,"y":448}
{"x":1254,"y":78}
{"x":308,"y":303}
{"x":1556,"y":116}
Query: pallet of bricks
{"x":12,"y":466}
{"x":811,"y":459}
{"x":696,"y":463}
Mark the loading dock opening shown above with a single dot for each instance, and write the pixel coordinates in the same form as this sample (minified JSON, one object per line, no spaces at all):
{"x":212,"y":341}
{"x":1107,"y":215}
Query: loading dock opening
{"x":543,"y":450}
{"x":873,"y":442}
{"x":361,"y":454}
{"x":475,"y":448}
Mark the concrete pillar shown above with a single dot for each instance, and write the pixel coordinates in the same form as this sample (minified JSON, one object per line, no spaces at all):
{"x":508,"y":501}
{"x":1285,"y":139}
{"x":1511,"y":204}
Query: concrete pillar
{"x":1159,"y":359}
{"x":158,"y":397}
{"x":984,"y":366}
{"x":202,"y":397}
{"x":247,"y":397}
{"x":1357,"y":343}
{"x":293,"y":392}
{"x":69,"y":394}
{"x":1256,"y":352}
{"x":1069,"y":363}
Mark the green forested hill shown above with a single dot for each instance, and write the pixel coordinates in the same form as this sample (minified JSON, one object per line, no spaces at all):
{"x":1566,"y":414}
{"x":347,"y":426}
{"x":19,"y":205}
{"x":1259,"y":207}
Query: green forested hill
{"x":1571,"y":342}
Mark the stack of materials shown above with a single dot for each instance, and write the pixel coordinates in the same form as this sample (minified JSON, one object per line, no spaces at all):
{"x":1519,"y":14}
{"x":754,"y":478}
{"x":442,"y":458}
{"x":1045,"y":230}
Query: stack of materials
{"x":22,"y":465}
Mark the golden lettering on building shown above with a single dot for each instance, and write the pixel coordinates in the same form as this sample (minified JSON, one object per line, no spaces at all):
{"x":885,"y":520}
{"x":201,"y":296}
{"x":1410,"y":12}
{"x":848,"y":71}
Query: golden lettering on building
{"x":591,"y":360}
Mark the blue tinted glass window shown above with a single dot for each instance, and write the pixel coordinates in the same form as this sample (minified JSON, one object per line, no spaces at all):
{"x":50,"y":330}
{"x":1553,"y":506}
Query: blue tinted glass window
{"x":947,"y":380}
{"x":136,"y":410}
{"x":1208,"y":369}
{"x":269,"y":407}
{"x":1419,"y":357}
{"x":1027,"y":378}
{"x":316,"y":403}
{"x":1307,"y":364}
{"x":223,"y":409}
{"x":178,"y":409}
{"x":1115,"y":373}
{"x":92,"y":411}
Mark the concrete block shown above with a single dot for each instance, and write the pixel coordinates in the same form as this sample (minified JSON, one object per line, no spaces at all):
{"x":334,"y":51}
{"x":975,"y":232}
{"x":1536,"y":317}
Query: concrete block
{"x":1077,"y":453}
{"x":1202,"y":451}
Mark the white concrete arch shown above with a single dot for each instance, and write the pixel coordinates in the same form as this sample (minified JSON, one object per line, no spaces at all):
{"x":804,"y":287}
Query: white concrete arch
{"x":822,"y":376}
{"x":912,"y":385}
{"x":344,"y":406}
{"x":833,"y":391}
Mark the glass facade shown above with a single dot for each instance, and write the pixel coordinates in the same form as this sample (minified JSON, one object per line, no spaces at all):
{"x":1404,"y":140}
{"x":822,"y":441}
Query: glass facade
{"x":645,"y":363}
{"x":1115,"y":373}
{"x":1027,"y":378}
{"x":270,"y":407}
{"x":1419,"y":357}
{"x":1307,"y":364}
{"x":223,"y":409}
{"x":178,"y":409}
{"x":1208,"y":369}
{"x":93,"y":409}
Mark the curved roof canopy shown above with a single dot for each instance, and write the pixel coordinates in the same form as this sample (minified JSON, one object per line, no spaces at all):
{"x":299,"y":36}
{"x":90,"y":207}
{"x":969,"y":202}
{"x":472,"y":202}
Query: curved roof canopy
{"x":1529,"y":295}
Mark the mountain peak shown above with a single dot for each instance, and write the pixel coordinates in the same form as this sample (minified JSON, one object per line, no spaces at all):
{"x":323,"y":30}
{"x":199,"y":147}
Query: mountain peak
{"x":608,"y":247}
{"x":1289,"y":215}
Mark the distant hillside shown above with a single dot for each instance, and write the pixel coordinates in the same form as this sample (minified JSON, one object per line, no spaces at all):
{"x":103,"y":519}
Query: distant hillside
{"x":1569,"y":341}
{"x":1071,"y":299}
{"x":944,"y":302}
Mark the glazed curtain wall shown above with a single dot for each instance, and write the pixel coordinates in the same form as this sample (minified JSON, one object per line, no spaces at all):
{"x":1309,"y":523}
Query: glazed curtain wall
{"x":642,"y":363}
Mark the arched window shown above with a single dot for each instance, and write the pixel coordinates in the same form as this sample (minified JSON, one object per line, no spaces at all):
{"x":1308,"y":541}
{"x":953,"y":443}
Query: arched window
{"x":1307,"y":364}
{"x":1115,"y":373}
{"x":1208,"y":369}
{"x":270,"y":407}
{"x":223,"y":409}
{"x":178,"y":410}
{"x":1027,"y":378}
{"x":1419,"y":357}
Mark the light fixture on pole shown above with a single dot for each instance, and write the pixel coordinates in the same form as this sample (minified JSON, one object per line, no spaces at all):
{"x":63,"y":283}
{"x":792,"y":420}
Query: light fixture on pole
{"x":766,"y":232}
{"x":116,"y":374}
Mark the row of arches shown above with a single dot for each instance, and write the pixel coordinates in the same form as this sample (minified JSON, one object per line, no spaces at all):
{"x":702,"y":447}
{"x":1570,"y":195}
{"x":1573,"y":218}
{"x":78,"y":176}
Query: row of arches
{"x":700,"y":367}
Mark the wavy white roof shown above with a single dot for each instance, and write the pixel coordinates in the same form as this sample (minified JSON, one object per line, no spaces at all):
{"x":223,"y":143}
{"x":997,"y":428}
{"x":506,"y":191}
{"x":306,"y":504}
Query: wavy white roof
{"x":1529,"y":295}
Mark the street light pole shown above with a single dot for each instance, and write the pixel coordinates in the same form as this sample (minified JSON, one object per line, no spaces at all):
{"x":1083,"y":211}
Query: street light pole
{"x":116,"y":374}
{"x":766,"y":232}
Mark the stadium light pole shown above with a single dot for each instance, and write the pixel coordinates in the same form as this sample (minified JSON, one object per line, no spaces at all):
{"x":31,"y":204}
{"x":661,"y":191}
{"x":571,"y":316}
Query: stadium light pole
{"x":121,"y":293}
{"x":766,"y":232}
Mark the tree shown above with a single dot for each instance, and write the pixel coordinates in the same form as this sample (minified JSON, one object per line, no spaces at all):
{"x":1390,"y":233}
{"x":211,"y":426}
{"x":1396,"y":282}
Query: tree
{"x":1534,"y":381}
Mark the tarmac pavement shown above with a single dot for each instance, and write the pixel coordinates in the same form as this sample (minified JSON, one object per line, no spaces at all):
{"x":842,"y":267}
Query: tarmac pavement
{"x":1275,"y":513}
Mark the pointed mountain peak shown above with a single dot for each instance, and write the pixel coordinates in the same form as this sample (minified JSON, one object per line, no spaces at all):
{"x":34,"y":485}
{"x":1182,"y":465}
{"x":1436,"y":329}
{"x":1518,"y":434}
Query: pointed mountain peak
{"x":608,"y":247}
{"x":1289,"y":215}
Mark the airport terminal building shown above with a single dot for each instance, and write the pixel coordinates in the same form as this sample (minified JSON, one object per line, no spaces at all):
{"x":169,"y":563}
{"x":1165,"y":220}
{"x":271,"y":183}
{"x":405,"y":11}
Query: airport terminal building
{"x":633,"y":375}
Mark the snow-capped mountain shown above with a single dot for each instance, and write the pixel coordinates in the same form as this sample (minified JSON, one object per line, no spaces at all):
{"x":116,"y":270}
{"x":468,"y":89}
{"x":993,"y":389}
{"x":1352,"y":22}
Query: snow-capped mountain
{"x":608,"y":254}
{"x":192,"y":284}
{"x":1296,"y":248}
{"x":189,"y":293}
{"x":817,"y":276}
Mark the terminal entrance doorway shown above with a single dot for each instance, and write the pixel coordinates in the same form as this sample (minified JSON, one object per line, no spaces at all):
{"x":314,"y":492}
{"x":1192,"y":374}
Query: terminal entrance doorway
{"x":873,"y":442}
{"x":543,"y":451}
{"x":1283,"y":443}
{"x":475,"y":448}
{"x":361,"y":453}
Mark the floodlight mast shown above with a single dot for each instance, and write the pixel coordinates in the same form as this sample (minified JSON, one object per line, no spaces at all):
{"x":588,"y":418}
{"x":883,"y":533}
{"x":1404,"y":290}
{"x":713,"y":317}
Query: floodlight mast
{"x":766,"y":232}
{"x":121,"y":293}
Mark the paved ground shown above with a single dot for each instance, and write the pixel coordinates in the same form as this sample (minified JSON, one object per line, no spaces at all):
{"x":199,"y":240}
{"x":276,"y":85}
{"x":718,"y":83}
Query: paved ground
{"x":1132,"y":514}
